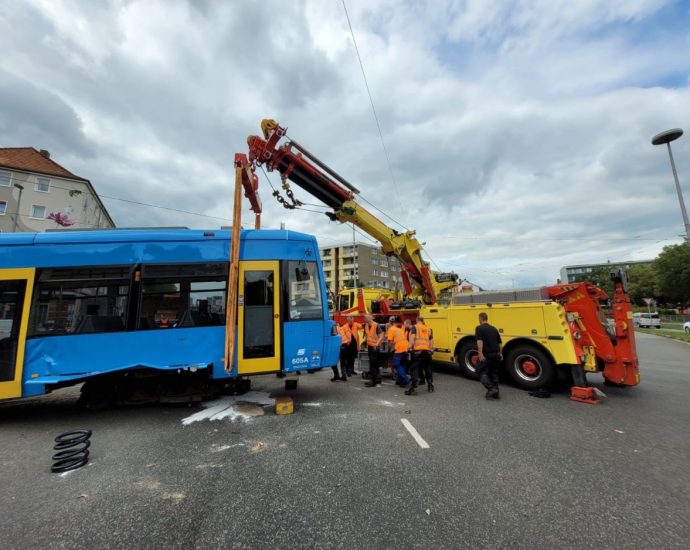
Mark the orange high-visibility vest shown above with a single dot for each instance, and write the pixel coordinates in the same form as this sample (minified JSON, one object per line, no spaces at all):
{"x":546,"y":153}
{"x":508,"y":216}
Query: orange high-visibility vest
{"x":356,"y":327}
{"x":397,"y":335}
{"x":373,"y":339}
{"x":422,"y":338}
{"x":345,"y":334}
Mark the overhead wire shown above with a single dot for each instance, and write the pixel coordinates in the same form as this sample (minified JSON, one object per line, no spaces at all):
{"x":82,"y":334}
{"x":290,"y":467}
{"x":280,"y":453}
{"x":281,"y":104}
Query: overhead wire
{"x":465,"y":237}
{"x":382,"y":212}
{"x":373,"y":108}
{"x":12,"y":214}
{"x":130,"y":201}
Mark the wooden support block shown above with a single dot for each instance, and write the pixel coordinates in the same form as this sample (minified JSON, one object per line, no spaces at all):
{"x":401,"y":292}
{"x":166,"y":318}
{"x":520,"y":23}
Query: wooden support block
{"x":284,"y":405}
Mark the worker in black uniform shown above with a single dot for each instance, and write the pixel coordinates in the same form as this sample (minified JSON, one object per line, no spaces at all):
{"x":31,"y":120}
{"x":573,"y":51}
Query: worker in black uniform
{"x":421,"y":344}
{"x":489,"y":349}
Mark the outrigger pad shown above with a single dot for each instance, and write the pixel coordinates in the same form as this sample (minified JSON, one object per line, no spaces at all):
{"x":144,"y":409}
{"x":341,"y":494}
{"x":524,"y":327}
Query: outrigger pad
{"x":584,"y":395}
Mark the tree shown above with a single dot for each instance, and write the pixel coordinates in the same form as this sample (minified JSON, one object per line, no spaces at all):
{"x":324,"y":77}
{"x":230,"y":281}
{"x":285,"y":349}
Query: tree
{"x":599,"y":276}
{"x":353,"y":283}
{"x":643,"y":283}
{"x":673,"y":271}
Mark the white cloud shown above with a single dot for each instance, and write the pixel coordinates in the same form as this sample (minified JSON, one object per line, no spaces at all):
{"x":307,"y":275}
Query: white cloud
{"x":518,"y":133}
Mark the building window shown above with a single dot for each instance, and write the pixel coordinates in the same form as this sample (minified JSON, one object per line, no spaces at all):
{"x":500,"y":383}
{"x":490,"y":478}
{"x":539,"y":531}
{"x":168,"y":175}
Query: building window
{"x":5,"y":178}
{"x":42,"y":185}
{"x":384,"y":274}
{"x":38,"y":212}
{"x":3,"y":208}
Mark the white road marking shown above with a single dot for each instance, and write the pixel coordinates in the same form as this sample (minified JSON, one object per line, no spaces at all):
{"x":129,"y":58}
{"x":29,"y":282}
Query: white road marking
{"x":414,"y":433}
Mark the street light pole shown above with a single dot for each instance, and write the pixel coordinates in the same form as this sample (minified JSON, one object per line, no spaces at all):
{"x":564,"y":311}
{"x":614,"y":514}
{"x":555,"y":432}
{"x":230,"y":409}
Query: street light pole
{"x":667,"y":137}
{"x":19,"y":203}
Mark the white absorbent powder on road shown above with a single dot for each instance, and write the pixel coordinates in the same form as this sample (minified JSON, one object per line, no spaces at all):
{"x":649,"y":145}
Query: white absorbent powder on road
{"x":238,"y":407}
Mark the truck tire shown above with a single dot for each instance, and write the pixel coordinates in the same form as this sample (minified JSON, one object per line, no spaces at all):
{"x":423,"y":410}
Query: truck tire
{"x":530,"y":367}
{"x":466,"y":358}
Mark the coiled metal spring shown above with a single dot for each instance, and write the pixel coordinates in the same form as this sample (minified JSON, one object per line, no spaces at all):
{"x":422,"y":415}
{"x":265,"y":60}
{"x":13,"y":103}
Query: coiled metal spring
{"x":73,"y":450}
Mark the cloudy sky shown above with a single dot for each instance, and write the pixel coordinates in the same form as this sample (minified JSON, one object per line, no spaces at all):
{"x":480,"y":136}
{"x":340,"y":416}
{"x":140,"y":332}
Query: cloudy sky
{"x":518,"y":132}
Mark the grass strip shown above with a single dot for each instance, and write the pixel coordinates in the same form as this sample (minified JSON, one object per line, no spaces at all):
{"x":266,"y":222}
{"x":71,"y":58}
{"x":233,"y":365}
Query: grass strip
{"x":684,"y":336}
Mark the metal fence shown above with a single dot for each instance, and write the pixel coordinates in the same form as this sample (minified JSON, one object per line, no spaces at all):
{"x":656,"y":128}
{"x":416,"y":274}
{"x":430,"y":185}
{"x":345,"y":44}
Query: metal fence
{"x":680,"y":319}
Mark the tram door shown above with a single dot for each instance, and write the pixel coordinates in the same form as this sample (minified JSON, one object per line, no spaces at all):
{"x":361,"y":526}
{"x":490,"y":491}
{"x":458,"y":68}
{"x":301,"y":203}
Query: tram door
{"x":15,"y":300}
{"x":258,"y":317}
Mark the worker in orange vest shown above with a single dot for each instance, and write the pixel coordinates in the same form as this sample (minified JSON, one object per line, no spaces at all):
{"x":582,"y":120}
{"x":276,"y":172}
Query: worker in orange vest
{"x":345,"y":341}
{"x":400,"y":344}
{"x":353,"y":350}
{"x":374,"y":334}
{"x":407,"y":360}
{"x":421,"y":342}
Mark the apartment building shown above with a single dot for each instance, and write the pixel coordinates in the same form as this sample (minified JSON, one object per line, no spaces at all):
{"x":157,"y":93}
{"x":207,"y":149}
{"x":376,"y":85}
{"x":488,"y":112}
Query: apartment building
{"x":573,"y":273}
{"x":37,"y":194}
{"x":360,"y":264}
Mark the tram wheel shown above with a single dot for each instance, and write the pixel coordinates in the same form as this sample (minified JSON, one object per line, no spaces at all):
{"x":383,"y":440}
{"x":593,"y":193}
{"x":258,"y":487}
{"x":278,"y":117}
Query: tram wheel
{"x":97,"y":395}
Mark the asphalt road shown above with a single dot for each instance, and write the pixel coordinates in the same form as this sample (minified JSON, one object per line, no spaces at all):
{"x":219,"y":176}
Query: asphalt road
{"x":343,"y":471}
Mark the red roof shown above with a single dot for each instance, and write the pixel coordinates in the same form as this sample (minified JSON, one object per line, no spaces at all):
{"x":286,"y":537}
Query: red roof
{"x":31,"y":160}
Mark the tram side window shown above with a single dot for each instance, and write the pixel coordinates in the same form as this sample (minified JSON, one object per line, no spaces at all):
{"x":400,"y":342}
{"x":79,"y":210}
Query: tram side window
{"x":304,"y":288}
{"x":80,"y":300}
{"x":183,"y":295}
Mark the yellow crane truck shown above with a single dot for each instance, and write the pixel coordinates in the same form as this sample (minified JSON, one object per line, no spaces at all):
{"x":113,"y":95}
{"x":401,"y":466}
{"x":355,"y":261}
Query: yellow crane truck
{"x":542,"y":328}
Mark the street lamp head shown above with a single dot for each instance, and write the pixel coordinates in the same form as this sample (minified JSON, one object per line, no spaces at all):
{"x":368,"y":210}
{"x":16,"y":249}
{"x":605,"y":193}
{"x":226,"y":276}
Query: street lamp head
{"x":667,"y":136}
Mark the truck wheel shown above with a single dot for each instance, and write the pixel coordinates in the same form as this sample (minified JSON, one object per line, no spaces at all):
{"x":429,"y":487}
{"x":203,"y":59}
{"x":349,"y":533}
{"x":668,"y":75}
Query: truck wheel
{"x":467,"y":358}
{"x":530,"y":367}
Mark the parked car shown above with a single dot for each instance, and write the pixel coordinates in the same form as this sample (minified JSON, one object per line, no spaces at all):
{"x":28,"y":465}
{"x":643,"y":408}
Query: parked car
{"x":686,"y":327}
{"x":647,"y":320}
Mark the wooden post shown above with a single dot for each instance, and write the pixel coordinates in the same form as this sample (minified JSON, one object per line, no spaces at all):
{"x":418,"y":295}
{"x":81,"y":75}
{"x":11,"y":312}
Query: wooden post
{"x":234,"y":272}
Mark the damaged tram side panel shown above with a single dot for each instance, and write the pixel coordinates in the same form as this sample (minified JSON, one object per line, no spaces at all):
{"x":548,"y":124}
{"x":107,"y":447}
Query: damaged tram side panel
{"x":139,"y":315}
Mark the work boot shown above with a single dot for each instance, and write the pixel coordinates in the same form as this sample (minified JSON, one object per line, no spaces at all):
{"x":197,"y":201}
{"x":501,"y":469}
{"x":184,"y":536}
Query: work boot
{"x":430,"y":387}
{"x":491,"y":393}
{"x":335,"y":378}
{"x":343,"y":378}
{"x":411,"y":391}
{"x":372,"y":384}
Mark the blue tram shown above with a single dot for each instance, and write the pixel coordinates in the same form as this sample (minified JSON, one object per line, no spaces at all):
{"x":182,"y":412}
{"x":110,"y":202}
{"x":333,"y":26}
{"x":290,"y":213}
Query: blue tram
{"x":140,"y":314}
